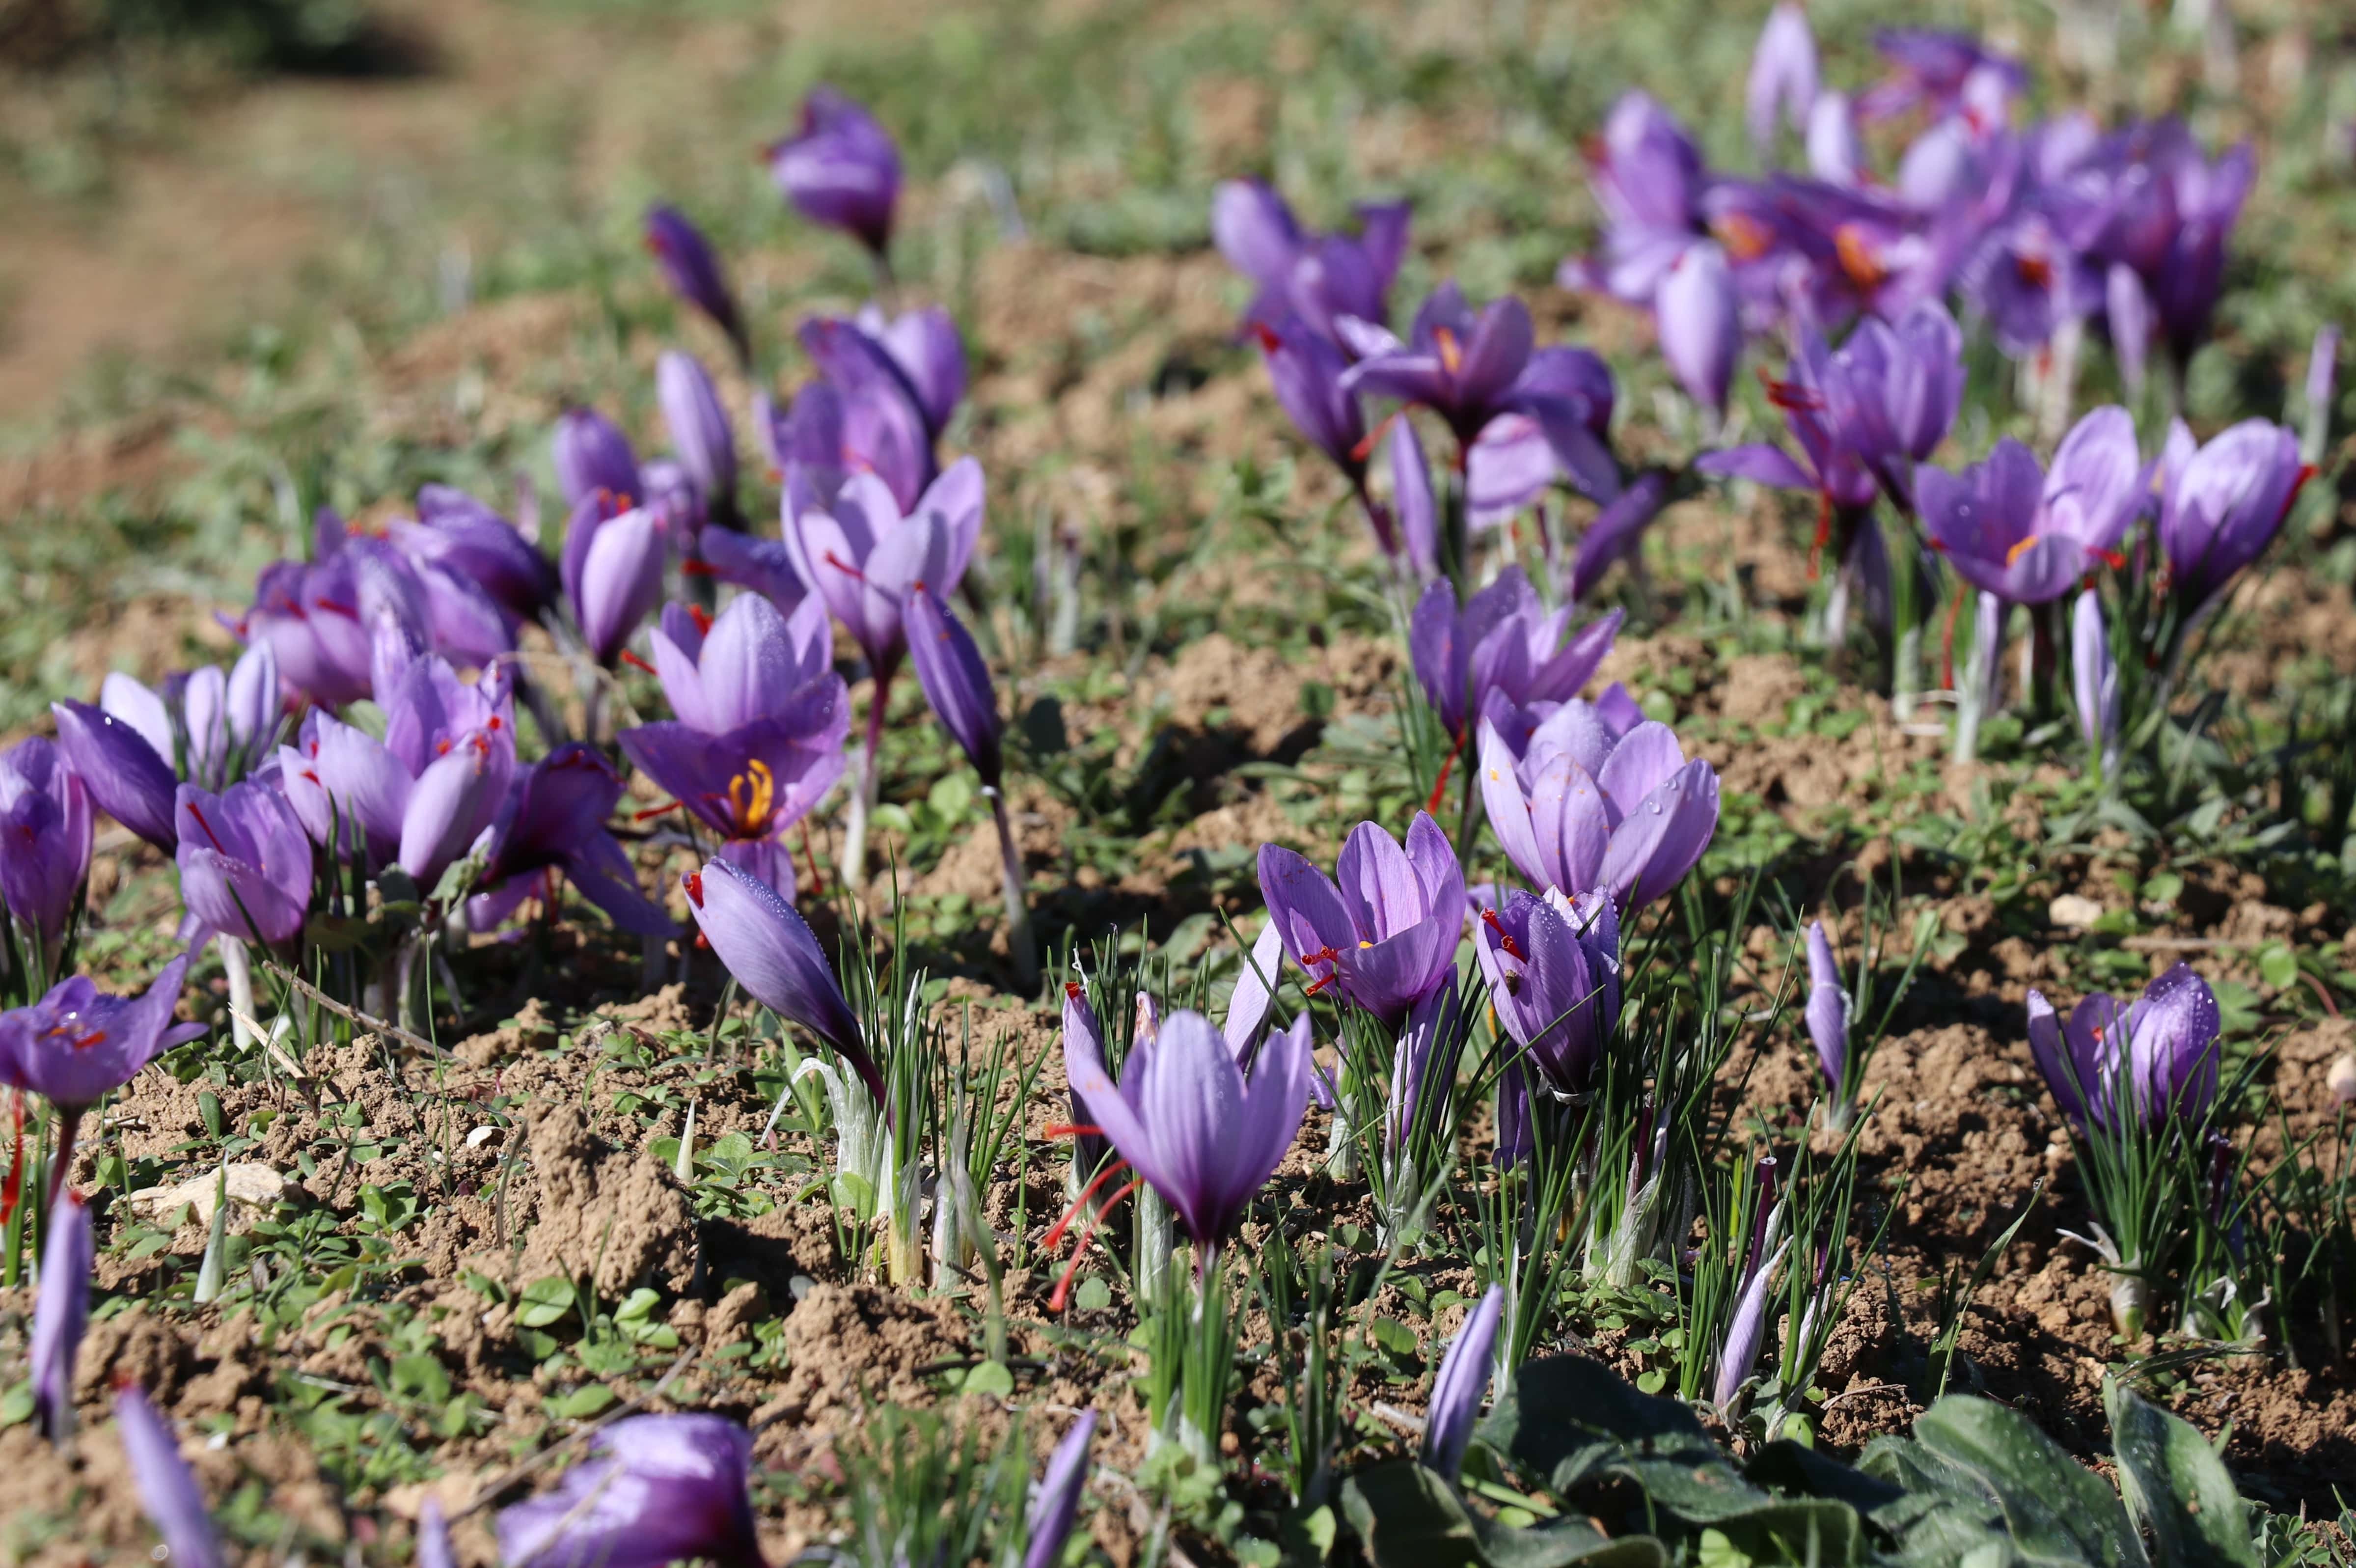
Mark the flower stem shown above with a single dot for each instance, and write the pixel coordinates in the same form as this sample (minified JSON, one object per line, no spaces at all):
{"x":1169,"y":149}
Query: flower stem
{"x":239,"y":969}
{"x":1022,"y":945}
{"x":68,"y":1124}
{"x":863,"y":799}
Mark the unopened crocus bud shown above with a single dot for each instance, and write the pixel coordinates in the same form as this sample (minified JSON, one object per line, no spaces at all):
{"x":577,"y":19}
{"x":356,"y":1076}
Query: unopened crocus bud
{"x":1700,"y":321}
{"x":771,"y":951}
{"x":60,"y":1312}
{"x":700,"y":435}
{"x":1055,"y":1506}
{"x":591,"y":456}
{"x":175,"y":1505}
{"x":955,"y":680}
{"x":45,"y":837}
{"x":1828,"y":1007}
{"x":1783,"y":75}
{"x":612,"y":575}
{"x":840,"y":168}
{"x":1746,"y":1331}
{"x":245,"y":863}
{"x":694,"y":273}
{"x":1460,"y":1384}
{"x":2094,"y":677}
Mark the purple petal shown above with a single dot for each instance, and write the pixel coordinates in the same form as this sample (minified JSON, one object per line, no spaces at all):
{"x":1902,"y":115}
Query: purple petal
{"x":167,"y":1491}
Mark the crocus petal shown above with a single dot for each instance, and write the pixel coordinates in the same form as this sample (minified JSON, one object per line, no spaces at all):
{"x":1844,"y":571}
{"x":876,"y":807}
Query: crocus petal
{"x":167,"y":1491}
{"x":1057,"y":1504}
{"x":955,"y":680}
{"x":60,"y":1311}
{"x":770,"y":951}
{"x":1828,"y":1009}
{"x":1459,"y":1385}
{"x":1663,"y":837}
{"x":126,"y":777}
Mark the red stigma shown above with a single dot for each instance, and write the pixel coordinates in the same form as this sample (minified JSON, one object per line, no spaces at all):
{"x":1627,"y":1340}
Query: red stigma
{"x":693,"y":882}
{"x":1438,"y":785}
{"x":207,"y":826}
{"x":1504,"y":938}
{"x":1266,"y":335}
{"x":338,"y":606}
{"x":701,"y":616}
{"x":637,"y":663}
{"x":840,"y":564}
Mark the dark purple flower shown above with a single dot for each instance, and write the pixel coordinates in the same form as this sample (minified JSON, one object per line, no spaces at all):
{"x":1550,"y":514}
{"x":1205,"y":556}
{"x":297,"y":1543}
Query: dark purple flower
{"x":955,"y":680}
{"x":1552,"y":964}
{"x":699,"y":429}
{"x":60,"y":1312}
{"x":77,"y":1044}
{"x":613,"y":573}
{"x":118,"y":766}
{"x":1700,"y":324}
{"x":245,"y":862}
{"x":554,"y":821}
{"x":423,"y":794}
{"x":761,"y":564}
{"x":1828,"y":1009}
{"x":1462,"y":366}
{"x":840,"y":168}
{"x":2160,"y":1054}
{"x":1579,"y":802}
{"x":693,"y":271}
{"x":45,"y":838}
{"x":1316,"y":279}
{"x":1783,"y":76}
{"x":1946,"y":73}
{"x":1306,"y":370}
{"x":1386,"y":936}
{"x":2167,"y":211}
{"x":1891,"y":394}
{"x":2222,"y":504}
{"x":770,"y":951}
{"x":863,"y":556}
{"x":2026,"y":280}
{"x":1616,"y":531}
{"x":655,"y":1489}
{"x":594,"y":459}
{"x":1055,"y":1504}
{"x":168,"y":1490}
{"x":1647,"y":177}
{"x":1459,"y":1385}
{"x":2094,"y":676}
{"x":1186,"y":1120}
{"x":320,"y":620}
{"x":885,"y":429}
{"x":1831,"y":464}
{"x":1503,"y":640}
{"x":2029,"y":537}
{"x":472,"y":539}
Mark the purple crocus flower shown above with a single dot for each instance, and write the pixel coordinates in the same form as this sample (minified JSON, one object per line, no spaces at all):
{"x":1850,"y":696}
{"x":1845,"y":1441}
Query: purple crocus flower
{"x":2162,"y":1050}
{"x":698,"y":422}
{"x":2029,"y":537}
{"x":1316,"y":279}
{"x":871,"y":422}
{"x":1892,"y":392}
{"x":475,"y":540}
{"x":245,"y":863}
{"x":1459,"y":1385}
{"x":76,"y":1045}
{"x":2222,"y":504}
{"x":1830,"y":465}
{"x":2169,"y":211}
{"x":1947,"y":72}
{"x":955,"y":680}
{"x":1581,"y":800}
{"x":655,"y":1489}
{"x":613,"y":571}
{"x":60,"y":1312}
{"x":770,"y":951}
{"x":1783,"y":76}
{"x":2094,"y":678}
{"x":1462,"y":366}
{"x":1552,"y":964}
{"x":787,"y":714}
{"x":1503,"y":640}
{"x":1699,"y":319}
{"x":1616,"y":531}
{"x":862,"y":556}
{"x":693,"y":271}
{"x":594,"y":459}
{"x":840,"y":168}
{"x":319,"y":620}
{"x":926,"y":348}
{"x":1828,"y":1009}
{"x":1188,"y":1123}
{"x":2026,"y":280}
{"x":175,"y":1505}
{"x":1306,"y":369}
{"x":45,"y":838}
{"x":433,"y":1536}
{"x":1386,"y":936}
{"x":1647,"y":177}
{"x":425,"y":793}
{"x":553,"y":823}
{"x":1055,"y":1504}
{"x":119,"y":768}
{"x":746,"y":665}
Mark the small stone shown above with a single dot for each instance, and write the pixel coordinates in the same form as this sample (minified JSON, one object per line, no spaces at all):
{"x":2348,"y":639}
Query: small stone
{"x":2073,"y":912}
{"x":2342,"y":1079}
{"x":253,"y":1188}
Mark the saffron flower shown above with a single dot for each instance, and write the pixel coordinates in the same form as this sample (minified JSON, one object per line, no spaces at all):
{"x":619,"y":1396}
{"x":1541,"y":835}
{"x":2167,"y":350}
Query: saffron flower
{"x":245,"y":863}
{"x":426,"y":792}
{"x":700,"y":435}
{"x":119,"y":769}
{"x":553,"y":824}
{"x":746,"y":665}
{"x":1783,"y":76}
{"x":871,"y":420}
{"x":924,"y":347}
{"x":76,"y":1045}
{"x":2154,"y":1059}
{"x":1647,"y":178}
{"x":1552,"y":964}
{"x":2222,"y":504}
{"x":1306,"y":369}
{"x":655,"y":1489}
{"x":1502,"y":640}
{"x":1316,"y":279}
{"x":1700,"y":317}
{"x":133,"y":749}
{"x":1386,"y":936}
{"x":955,"y":680}
{"x":45,"y":839}
{"x":319,"y":620}
{"x":1593,"y":795}
{"x":2027,"y":536}
{"x":60,"y":1312}
{"x":594,"y":459}
{"x":1055,"y":1504}
{"x":2094,"y":678}
{"x":770,"y":951}
{"x":471,"y":538}
{"x":1188,"y":1123}
{"x":612,"y":570}
{"x":840,"y":169}
{"x":1460,"y":1384}
{"x":168,"y":1490}
{"x":1462,"y":366}
{"x":1892,"y":392}
{"x":693,"y":271}
{"x":1827,"y":1013}
{"x":863,"y":556}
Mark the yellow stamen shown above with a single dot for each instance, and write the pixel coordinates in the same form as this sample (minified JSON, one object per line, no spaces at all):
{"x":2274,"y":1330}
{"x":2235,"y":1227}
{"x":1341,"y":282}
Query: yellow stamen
{"x":752,"y":796}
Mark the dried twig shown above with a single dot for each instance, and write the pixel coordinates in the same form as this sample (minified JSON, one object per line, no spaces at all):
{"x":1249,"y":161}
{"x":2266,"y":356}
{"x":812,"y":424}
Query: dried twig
{"x":353,"y":1015}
